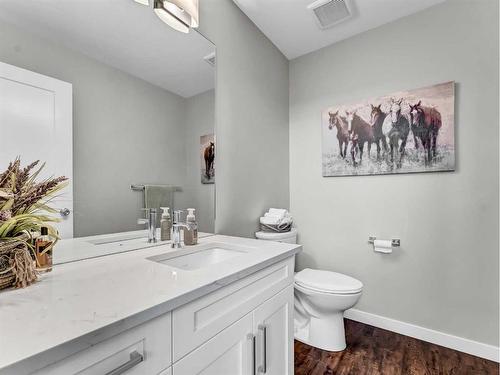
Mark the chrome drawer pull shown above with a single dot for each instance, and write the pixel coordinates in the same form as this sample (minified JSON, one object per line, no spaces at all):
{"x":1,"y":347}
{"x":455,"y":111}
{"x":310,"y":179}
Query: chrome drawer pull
{"x":135,"y":359}
{"x":263,"y":367}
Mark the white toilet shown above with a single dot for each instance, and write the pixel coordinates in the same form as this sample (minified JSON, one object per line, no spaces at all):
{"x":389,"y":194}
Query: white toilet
{"x":321,"y":297}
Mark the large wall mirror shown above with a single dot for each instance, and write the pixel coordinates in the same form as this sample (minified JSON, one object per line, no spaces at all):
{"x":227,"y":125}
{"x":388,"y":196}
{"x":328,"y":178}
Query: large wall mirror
{"x":107,"y":94}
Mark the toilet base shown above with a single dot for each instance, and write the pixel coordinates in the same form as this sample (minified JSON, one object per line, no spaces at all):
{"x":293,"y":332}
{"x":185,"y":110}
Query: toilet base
{"x":326,"y":333}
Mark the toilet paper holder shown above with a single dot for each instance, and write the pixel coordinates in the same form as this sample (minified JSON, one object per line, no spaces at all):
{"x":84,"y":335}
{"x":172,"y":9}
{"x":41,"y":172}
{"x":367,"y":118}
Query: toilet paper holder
{"x":395,"y":242}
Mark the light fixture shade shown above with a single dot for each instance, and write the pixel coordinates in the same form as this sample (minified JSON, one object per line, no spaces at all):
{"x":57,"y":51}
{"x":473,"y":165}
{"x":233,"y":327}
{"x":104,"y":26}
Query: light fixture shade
{"x":190,"y":7}
{"x":171,"y":21}
{"x":143,"y":2}
{"x":178,"y":14}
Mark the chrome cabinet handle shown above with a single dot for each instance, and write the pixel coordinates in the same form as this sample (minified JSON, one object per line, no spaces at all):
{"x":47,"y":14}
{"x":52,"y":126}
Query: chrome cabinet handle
{"x":251,"y":337}
{"x":263,"y":367}
{"x":135,"y":359}
{"x":64,"y":211}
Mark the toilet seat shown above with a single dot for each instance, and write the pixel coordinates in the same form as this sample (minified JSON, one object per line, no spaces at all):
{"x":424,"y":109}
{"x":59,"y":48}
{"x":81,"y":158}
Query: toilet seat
{"x":327,"y":282}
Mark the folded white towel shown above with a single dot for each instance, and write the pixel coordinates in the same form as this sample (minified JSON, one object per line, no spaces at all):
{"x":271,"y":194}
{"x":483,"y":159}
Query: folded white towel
{"x":270,"y":220}
{"x":274,"y":220}
{"x":267,"y":214}
{"x":280,"y":212}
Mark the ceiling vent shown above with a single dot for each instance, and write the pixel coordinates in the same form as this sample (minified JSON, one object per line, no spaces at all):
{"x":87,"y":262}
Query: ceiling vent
{"x":329,"y":13}
{"x":210,"y":59}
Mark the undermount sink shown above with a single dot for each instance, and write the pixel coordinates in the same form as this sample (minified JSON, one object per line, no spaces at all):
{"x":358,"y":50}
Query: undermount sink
{"x":200,"y":256}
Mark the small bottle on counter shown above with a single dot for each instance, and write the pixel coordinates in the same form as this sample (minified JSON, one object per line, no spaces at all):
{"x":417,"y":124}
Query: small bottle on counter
{"x":165,"y":224}
{"x":191,"y":232}
{"x":43,"y":251}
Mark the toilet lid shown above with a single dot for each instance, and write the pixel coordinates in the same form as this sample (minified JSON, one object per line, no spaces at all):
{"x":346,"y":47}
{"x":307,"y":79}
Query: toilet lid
{"x":328,"y":282}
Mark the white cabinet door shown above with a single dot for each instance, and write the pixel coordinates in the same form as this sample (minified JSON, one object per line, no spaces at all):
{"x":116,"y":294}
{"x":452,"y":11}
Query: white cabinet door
{"x":202,"y":319}
{"x":273,"y":327}
{"x":36,"y":120}
{"x":230,"y":352}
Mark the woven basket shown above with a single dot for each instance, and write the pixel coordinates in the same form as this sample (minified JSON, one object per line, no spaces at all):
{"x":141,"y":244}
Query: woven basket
{"x":17,"y":268}
{"x":276,"y":228}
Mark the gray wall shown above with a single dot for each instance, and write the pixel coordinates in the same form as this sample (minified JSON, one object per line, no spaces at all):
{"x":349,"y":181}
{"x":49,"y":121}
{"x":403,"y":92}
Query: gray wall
{"x":445,"y":275}
{"x":199,"y":121}
{"x":251,"y":117}
{"x":122,"y":127}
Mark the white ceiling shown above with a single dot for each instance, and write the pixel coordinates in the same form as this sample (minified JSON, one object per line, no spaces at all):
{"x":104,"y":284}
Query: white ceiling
{"x":123,"y":34}
{"x":293,"y":29}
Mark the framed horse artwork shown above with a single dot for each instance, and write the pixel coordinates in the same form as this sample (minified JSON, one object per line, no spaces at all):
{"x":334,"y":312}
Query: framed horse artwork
{"x":207,"y":154}
{"x":404,"y":132}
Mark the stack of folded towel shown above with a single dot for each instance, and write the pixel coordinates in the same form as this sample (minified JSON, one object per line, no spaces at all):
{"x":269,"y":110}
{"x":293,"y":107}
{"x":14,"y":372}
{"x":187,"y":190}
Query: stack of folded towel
{"x":276,"y":220}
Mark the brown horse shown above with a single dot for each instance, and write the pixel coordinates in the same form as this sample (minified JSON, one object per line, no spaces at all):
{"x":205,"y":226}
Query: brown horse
{"x":377,"y":120}
{"x":425,"y":125}
{"x":209,"y":156}
{"x":340,"y":123}
{"x":362,"y":132}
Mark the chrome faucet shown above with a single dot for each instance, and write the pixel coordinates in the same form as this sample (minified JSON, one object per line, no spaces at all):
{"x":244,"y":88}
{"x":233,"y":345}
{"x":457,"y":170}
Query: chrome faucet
{"x":177,"y":225}
{"x":151,"y":223}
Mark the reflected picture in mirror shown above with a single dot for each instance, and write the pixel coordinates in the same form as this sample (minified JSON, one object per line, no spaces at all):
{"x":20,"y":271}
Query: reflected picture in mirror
{"x":207,"y":153}
{"x":108,"y":95}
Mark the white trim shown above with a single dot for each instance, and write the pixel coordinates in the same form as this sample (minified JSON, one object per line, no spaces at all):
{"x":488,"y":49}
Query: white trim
{"x":425,"y":334}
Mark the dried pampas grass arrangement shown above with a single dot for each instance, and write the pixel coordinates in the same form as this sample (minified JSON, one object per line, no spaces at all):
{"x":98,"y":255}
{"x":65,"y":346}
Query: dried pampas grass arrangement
{"x":24,"y":209}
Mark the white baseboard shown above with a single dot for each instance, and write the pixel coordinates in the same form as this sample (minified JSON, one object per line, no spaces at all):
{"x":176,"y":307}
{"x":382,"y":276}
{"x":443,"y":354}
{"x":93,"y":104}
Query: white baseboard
{"x":439,"y":338}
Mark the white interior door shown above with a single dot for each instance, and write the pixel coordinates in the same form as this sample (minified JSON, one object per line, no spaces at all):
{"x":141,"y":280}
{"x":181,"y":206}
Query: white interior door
{"x":36,"y":121}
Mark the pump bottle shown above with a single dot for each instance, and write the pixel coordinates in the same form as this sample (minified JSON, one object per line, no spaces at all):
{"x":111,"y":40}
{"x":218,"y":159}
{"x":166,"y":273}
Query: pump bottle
{"x":191,"y":232}
{"x":165,"y":224}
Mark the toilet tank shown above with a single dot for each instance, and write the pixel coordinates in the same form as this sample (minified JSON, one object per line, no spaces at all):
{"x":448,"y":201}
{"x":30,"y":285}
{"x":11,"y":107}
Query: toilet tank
{"x":287,"y":237}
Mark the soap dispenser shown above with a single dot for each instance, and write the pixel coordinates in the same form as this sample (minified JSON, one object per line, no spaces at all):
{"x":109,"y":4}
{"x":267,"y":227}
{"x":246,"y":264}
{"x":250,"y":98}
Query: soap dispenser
{"x":165,"y":224}
{"x":191,"y":232}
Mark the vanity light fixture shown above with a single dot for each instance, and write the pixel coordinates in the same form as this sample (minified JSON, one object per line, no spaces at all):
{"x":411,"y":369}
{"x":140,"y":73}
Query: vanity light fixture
{"x":143,"y":2}
{"x":181,"y":15}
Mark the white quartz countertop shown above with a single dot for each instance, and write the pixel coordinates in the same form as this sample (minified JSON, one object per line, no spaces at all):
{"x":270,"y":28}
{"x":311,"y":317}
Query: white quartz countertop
{"x":78,"y":299}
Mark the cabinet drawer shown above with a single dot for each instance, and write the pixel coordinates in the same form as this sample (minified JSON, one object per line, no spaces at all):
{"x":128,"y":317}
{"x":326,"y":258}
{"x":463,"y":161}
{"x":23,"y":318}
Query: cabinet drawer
{"x":144,"y":349}
{"x":200,"y":320}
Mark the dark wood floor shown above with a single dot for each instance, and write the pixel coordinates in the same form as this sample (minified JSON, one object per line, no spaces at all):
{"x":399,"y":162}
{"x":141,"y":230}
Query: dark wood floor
{"x":374,"y":351}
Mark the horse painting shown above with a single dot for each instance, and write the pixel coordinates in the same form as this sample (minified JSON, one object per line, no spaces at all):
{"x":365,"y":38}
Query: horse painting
{"x":207,"y":153}
{"x":350,"y":130}
{"x":209,"y":156}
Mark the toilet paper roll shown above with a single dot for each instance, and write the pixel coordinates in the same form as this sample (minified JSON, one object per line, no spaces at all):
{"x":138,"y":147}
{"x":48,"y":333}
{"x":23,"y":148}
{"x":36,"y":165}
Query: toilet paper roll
{"x":382,"y":246}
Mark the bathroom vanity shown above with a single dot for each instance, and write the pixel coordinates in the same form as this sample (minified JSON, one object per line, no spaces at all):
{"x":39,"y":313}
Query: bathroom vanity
{"x":222,"y":307}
